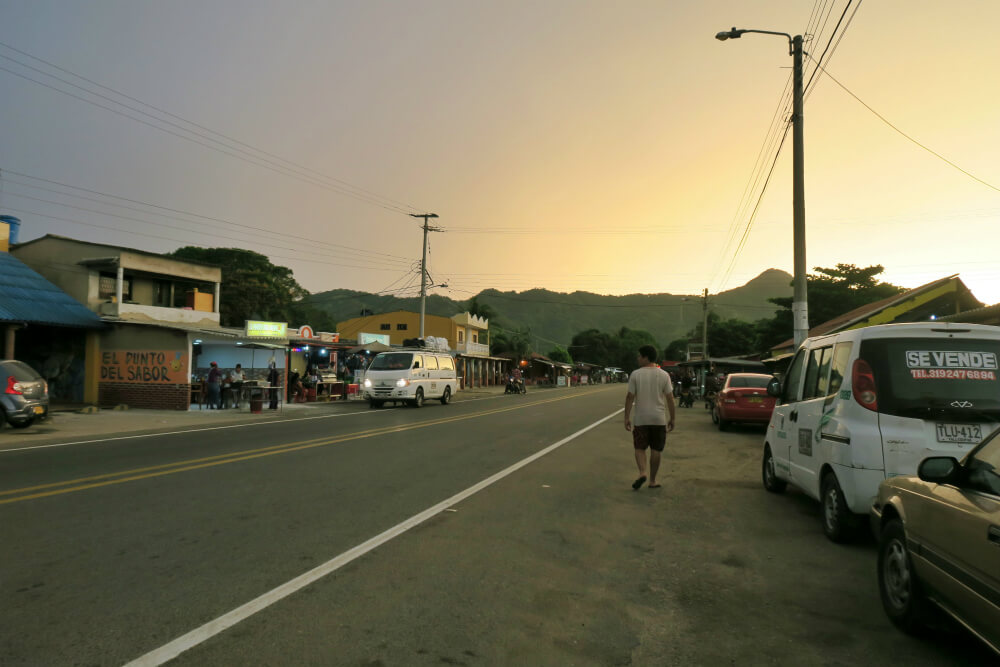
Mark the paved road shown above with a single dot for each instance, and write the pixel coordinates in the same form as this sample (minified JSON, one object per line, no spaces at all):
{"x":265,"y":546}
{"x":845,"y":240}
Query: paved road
{"x":115,"y":549}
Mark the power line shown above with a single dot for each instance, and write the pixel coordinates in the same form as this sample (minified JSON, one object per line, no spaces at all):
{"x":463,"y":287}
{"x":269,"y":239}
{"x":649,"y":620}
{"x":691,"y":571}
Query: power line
{"x":908,"y":137}
{"x":178,"y":211}
{"x":227,"y":150}
{"x":202,"y":127}
{"x":830,"y":41}
{"x":182,"y":242}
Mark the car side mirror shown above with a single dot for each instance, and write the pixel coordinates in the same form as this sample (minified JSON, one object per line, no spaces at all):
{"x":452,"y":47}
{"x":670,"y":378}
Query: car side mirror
{"x":774,"y":387}
{"x":939,"y":470}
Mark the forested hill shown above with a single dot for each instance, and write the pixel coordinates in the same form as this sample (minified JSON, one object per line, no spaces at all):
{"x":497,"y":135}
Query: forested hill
{"x":557,"y":316}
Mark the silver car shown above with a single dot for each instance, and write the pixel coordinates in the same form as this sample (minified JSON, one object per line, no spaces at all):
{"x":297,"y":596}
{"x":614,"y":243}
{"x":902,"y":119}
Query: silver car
{"x":24,"y":394}
{"x":939,"y":542}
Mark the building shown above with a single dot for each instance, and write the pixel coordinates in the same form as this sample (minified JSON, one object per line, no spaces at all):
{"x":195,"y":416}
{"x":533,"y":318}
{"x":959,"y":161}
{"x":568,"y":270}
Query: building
{"x":45,"y":327}
{"x":161,"y":317}
{"x":467,"y":335}
{"x":935,"y":300}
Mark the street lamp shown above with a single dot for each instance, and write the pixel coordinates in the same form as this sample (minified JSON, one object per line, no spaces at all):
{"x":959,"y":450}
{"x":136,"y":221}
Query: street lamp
{"x":800,"y":307}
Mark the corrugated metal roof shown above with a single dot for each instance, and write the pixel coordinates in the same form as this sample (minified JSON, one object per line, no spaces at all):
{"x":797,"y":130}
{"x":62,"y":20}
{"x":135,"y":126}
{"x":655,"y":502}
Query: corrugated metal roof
{"x":25,"y":296}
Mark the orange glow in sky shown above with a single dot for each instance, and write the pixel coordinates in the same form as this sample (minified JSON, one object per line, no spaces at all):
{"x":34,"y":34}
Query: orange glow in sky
{"x":570,"y":145}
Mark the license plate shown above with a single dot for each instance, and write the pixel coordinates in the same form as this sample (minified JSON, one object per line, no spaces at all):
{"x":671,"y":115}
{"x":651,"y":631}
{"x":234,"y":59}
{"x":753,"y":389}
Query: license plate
{"x":39,"y":410}
{"x":961,"y":433}
{"x":755,"y":399}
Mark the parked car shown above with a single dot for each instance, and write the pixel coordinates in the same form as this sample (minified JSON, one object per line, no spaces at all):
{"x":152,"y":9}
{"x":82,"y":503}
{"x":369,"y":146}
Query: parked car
{"x":743,"y":398}
{"x":863,"y":405}
{"x":25,"y":395}
{"x":939,"y":542}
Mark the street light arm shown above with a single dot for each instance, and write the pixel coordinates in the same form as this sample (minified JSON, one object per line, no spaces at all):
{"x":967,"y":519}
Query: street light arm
{"x":736,"y":33}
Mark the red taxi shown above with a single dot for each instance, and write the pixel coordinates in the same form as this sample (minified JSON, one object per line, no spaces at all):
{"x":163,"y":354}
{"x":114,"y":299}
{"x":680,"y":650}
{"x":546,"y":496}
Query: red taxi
{"x":743,"y":399}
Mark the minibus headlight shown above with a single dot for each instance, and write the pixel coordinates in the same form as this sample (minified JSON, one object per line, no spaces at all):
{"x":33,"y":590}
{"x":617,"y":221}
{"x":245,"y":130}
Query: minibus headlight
{"x":402,"y":382}
{"x":368,"y":383}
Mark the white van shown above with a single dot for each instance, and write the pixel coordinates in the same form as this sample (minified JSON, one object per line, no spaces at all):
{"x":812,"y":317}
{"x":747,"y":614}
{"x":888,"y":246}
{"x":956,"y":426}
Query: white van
{"x":860,"y":406}
{"x":411,"y":376}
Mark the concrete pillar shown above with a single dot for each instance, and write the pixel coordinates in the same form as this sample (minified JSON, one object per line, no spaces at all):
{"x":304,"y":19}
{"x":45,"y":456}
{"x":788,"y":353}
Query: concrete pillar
{"x":120,"y":285}
{"x":8,"y":343}
{"x":92,"y":368}
{"x":215,"y":301}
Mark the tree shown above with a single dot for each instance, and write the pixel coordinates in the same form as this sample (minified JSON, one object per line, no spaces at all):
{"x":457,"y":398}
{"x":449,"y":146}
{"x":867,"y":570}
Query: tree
{"x":831,"y":293}
{"x":676,"y":350}
{"x":560,"y":354}
{"x":595,"y":347}
{"x":630,"y":340}
{"x":514,"y":343}
{"x":483,"y":310}
{"x":252,"y":287}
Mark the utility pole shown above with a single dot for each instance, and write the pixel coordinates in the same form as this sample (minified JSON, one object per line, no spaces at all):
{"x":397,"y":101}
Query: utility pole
{"x":800,"y":305}
{"x":704,"y":325}
{"x":423,"y":266}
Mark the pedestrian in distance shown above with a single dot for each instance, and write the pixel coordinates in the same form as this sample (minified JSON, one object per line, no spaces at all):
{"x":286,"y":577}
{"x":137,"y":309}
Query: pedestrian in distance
{"x":650,"y":392}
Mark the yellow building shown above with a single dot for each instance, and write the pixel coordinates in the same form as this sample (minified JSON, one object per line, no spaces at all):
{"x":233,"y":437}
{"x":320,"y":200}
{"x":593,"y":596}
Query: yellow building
{"x":465,"y":333}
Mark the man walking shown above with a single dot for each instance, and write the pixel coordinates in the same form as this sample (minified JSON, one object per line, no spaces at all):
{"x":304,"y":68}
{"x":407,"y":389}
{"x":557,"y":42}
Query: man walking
{"x":650,"y":391}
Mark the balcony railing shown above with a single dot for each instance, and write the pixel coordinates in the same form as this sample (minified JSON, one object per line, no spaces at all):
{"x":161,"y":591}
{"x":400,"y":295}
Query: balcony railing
{"x":478,"y":349}
{"x":137,"y":311}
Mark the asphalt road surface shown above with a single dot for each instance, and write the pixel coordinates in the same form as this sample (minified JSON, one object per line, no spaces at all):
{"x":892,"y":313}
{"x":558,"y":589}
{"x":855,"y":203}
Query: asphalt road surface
{"x":431,"y":536}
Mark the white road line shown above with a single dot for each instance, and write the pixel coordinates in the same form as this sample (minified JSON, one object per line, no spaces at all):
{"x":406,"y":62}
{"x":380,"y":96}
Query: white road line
{"x":211,"y":428}
{"x":188,"y":641}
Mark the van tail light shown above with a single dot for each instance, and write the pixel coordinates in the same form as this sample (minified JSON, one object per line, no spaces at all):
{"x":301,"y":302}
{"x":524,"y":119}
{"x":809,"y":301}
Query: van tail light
{"x":13,"y":386}
{"x":863,"y":385}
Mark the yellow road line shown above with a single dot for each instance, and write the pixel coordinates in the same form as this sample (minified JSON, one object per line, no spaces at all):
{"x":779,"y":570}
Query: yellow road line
{"x":149,"y":472}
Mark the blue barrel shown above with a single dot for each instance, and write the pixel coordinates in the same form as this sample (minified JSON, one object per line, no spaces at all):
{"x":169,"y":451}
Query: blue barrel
{"x":14,"y":224}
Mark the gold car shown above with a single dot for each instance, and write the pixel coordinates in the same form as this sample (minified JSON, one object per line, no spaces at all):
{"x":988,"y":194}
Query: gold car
{"x":939,"y":542}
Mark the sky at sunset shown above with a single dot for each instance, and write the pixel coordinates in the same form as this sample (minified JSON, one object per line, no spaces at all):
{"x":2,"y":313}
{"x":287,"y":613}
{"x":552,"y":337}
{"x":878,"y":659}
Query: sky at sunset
{"x":612,"y":147}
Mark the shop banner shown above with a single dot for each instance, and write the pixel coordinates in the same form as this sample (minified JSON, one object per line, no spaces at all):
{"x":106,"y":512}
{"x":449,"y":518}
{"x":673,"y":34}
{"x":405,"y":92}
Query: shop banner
{"x":144,"y":366}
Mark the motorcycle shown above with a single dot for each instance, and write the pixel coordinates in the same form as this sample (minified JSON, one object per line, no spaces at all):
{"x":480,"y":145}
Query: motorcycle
{"x":515,"y":386}
{"x":687,"y":397}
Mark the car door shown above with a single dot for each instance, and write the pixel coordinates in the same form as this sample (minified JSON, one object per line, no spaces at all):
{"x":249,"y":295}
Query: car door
{"x":434,"y":387}
{"x":782,"y":424}
{"x":805,"y":455}
{"x":956,"y":531}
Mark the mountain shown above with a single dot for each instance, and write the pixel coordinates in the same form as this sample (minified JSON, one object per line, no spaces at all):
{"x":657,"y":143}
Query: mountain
{"x":555,"y":317}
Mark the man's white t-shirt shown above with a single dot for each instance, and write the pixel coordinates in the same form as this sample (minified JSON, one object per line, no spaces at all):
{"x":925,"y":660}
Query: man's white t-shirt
{"x":650,"y":385}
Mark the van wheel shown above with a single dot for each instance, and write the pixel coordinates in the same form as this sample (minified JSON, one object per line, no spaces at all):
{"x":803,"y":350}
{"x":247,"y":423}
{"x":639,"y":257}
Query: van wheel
{"x":446,"y":396}
{"x":902,"y":598}
{"x":418,"y":398}
{"x":770,"y":475}
{"x":838,"y":522}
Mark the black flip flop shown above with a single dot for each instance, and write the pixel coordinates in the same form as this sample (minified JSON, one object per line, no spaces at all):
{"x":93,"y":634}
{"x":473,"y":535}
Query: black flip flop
{"x":639,"y":482}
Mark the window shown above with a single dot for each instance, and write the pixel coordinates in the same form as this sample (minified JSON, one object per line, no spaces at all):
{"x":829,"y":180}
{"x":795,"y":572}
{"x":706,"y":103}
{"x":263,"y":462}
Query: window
{"x":984,"y":468}
{"x":418,"y":361}
{"x":401,"y":327}
{"x":385,"y":327}
{"x":841,"y":355}
{"x":432,"y":363}
{"x":461,"y":335}
{"x":816,"y":373}
{"x":447,"y":363}
{"x":108,"y":286}
{"x":475,"y":336}
{"x":790,"y":386}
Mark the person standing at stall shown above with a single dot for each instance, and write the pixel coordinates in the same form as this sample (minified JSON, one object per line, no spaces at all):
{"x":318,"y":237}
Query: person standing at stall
{"x":214,"y":388}
{"x":236,"y":380}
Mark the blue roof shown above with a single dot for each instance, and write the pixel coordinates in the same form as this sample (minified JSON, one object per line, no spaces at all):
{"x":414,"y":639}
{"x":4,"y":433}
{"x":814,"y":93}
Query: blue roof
{"x":25,"y":296}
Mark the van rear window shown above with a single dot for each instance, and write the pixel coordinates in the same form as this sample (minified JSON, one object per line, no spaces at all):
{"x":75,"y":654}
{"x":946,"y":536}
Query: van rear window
{"x":918,"y":375}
